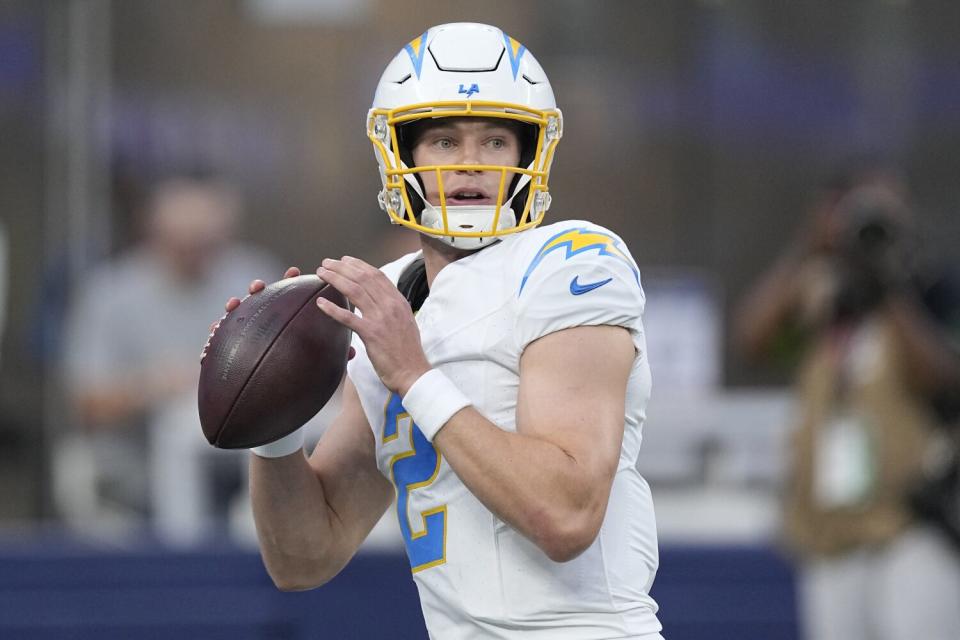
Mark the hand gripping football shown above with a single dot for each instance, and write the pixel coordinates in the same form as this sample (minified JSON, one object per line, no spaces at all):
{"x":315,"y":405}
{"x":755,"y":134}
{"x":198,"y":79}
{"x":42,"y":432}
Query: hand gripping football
{"x":272,"y":364}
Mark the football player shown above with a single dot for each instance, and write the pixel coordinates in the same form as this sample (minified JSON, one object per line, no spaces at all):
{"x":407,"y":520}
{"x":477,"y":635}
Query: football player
{"x":500,"y":380}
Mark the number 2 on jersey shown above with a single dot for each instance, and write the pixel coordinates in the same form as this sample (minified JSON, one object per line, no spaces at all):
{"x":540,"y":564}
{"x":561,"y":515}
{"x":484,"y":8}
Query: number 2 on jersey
{"x":414,"y":469}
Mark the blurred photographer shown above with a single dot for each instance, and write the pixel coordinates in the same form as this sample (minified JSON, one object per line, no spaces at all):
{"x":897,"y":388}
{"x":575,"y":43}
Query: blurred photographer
{"x":873,"y":328}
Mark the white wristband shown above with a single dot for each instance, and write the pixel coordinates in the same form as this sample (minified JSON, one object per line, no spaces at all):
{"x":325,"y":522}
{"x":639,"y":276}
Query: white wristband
{"x":432,"y":400}
{"x":290,"y":443}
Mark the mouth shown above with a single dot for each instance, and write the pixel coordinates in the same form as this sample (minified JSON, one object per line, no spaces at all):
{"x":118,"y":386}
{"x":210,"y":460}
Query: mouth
{"x":469,"y":196}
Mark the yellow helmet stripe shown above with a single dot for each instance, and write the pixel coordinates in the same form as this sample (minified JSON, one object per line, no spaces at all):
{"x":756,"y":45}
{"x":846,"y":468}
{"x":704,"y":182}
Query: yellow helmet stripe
{"x":515,"y":51}
{"x":416,"y":50}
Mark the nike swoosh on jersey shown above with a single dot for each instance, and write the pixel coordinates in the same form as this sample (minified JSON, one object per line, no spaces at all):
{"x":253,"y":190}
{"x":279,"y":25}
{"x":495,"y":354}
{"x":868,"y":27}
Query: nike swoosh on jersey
{"x":578,"y":289}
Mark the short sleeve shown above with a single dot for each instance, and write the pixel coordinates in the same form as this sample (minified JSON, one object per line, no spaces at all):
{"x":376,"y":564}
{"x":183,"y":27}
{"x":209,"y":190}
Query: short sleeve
{"x":589,"y":280}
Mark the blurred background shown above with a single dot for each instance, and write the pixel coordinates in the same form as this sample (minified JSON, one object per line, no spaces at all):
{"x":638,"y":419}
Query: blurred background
{"x":222,"y":140}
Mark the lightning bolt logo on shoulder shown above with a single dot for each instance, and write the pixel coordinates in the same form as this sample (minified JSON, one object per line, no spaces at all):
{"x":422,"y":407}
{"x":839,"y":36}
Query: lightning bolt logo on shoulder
{"x":576,"y":241}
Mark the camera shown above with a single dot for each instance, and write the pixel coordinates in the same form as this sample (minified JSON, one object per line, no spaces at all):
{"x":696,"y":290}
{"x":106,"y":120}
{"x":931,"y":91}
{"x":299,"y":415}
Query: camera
{"x":871,"y":250}
{"x":871,"y":233}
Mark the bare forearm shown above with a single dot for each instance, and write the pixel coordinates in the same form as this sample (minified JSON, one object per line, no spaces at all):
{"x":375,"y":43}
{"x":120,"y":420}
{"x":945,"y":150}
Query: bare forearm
{"x":766,"y":307}
{"x":106,"y":409}
{"x":110,"y":403}
{"x":529,"y":483}
{"x":296,"y":529}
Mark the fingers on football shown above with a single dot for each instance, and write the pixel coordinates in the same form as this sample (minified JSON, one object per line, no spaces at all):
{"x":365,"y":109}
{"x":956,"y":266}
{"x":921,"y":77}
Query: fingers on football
{"x":232,"y":303}
{"x":373,"y":281}
{"x":291,"y":272}
{"x":344,"y":316}
{"x":256,"y":285}
{"x":349,"y":280}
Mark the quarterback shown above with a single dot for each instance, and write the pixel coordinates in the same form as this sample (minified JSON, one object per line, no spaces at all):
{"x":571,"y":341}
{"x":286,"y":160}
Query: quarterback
{"x":500,"y":377}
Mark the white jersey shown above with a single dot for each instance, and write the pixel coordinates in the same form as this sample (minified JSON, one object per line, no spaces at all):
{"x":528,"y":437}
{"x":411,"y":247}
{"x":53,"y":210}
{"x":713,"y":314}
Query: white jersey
{"x":477,"y":576}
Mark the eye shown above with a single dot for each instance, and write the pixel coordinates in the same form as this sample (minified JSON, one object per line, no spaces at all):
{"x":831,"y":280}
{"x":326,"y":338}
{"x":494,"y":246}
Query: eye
{"x":443,"y":143}
{"x":497,"y":143}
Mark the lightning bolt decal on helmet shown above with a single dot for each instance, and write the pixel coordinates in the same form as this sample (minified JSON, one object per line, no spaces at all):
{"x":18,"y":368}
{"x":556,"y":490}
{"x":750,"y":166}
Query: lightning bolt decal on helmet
{"x":464,"y":70}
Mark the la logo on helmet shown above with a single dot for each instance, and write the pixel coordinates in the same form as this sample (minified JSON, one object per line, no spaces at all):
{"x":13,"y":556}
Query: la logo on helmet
{"x":474,"y":88}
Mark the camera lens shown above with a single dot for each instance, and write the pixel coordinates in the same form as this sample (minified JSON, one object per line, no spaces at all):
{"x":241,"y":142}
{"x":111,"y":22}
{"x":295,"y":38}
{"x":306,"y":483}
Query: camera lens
{"x":873,"y":235}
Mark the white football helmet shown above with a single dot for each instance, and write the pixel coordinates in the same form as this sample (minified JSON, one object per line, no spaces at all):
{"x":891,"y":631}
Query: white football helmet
{"x":465,"y":70}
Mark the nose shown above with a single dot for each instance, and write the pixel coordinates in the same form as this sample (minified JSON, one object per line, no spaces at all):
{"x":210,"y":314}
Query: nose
{"x":469,"y":154}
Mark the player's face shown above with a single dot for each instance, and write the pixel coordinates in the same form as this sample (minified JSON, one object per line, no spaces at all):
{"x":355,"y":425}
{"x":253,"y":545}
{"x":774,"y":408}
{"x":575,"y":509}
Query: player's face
{"x":466,"y":141}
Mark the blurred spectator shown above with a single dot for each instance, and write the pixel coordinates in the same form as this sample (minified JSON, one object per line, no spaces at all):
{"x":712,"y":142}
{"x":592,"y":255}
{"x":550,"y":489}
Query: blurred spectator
{"x":875,"y":330}
{"x":131,"y":365}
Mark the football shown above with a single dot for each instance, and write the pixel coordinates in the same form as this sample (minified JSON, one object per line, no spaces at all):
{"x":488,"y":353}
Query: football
{"x":271,"y":364}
